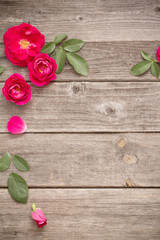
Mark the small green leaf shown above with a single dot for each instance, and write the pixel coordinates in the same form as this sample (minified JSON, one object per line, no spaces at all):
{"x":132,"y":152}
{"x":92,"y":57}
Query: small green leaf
{"x":155,"y":70}
{"x":2,"y":68}
{"x":73,"y":45}
{"x":48,"y":48}
{"x":18,"y":188}
{"x":34,"y":207}
{"x":146,"y":56}
{"x":20,"y":163}
{"x":140,"y":68}
{"x":60,"y":38}
{"x":79,"y":64}
{"x":5,"y":162}
{"x":60,"y":57}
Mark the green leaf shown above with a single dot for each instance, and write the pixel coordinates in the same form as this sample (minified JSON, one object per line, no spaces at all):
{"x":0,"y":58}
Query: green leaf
{"x":18,"y":188}
{"x":60,"y":57}
{"x":20,"y":163}
{"x":2,"y":68}
{"x":48,"y":48}
{"x":5,"y":162}
{"x":34,"y":207}
{"x":155,"y":70}
{"x":146,"y":56}
{"x":79,"y":64}
{"x":73,"y":45}
{"x":60,"y":38}
{"x":141,"y":68}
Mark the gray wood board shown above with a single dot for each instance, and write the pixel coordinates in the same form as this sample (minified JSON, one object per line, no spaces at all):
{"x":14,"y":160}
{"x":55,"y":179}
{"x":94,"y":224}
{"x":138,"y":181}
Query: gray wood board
{"x":108,"y":61}
{"x":88,"y":107}
{"x":94,"y":20}
{"x":89,"y":214}
{"x":86,"y":160}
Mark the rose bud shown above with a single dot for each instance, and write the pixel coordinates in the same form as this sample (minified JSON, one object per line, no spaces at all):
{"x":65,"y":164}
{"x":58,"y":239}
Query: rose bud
{"x":22,"y":43}
{"x":17,"y":90}
{"x":42,"y":69}
{"x":38,"y":216}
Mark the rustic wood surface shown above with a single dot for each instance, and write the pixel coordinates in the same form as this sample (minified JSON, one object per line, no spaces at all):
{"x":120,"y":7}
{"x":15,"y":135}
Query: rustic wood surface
{"x":86,"y":160}
{"x":89,"y":107}
{"x":95,"y":20}
{"x":88,"y":214}
{"x":108,"y":61}
{"x":93,"y":143}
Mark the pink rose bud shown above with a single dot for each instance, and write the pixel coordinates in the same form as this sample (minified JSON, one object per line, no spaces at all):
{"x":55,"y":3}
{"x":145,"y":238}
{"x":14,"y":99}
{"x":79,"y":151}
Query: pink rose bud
{"x":38,"y":216}
{"x":23,"y":43}
{"x":42,"y":70}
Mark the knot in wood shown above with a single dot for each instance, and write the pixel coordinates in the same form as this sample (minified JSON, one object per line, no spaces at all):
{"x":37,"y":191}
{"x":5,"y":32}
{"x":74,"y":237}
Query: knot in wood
{"x":121,"y":142}
{"x":130,"y":159}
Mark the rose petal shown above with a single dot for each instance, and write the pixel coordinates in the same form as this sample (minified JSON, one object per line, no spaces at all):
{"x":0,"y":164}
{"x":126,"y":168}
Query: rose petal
{"x":41,"y":225}
{"x":36,"y":217}
{"x":40,"y":213}
{"x":16,"y":125}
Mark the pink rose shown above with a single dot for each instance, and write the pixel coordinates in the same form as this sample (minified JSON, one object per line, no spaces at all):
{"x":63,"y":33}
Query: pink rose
{"x":38,"y":216}
{"x":42,"y":69}
{"x":22,"y":43}
{"x":17,"y":90}
{"x":158,"y":54}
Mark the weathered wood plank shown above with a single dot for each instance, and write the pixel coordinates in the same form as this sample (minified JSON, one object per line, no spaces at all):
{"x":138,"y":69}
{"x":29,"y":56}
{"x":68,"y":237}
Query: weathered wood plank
{"x":86,"y":160}
{"x":94,"y":20}
{"x":84,"y":214}
{"x":88,"y":107}
{"x":110,"y":61}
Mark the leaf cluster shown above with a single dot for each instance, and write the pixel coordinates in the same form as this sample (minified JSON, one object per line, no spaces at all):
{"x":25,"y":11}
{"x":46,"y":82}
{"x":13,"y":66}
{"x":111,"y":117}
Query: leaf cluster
{"x":17,"y":185}
{"x":144,"y":66}
{"x":67,"y":50}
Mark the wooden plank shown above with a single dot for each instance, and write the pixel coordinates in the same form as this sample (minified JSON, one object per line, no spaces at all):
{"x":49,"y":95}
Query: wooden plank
{"x":94,"y":20}
{"x":86,"y":160}
{"x":84,"y":214}
{"x":109,"y":61}
{"x":88,"y":107}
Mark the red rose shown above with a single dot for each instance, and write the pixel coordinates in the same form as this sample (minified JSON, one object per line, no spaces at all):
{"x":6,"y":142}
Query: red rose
{"x":22,"y":43}
{"x":158,"y":54}
{"x":17,"y":90}
{"x":42,"y":69}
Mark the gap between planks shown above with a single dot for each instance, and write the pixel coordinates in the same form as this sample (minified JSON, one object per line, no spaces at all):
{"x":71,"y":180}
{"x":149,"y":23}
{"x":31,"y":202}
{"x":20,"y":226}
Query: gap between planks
{"x":89,"y":187}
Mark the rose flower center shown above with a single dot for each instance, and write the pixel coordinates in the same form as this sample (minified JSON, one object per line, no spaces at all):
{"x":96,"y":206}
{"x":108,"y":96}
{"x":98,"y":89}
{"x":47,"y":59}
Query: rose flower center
{"x":24,"y":43}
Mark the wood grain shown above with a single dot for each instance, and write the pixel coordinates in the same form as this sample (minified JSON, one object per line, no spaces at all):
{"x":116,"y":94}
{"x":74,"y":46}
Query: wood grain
{"x":84,"y":214}
{"x":92,"y":177}
{"x":94,"y":20}
{"x":88,"y":107}
{"x":86,"y":160}
{"x":109,"y":61}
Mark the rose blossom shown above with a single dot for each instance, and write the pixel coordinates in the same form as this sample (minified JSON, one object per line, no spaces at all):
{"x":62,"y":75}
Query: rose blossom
{"x":42,"y":69}
{"x":22,"y":43}
{"x":38,"y":216}
{"x":17,"y":90}
{"x":158,"y":54}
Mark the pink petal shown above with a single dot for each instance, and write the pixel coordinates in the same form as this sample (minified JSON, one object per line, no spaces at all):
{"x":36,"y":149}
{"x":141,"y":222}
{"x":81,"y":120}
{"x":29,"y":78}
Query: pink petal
{"x":36,"y":217}
{"x":41,"y":225}
{"x":40,"y":213}
{"x":16,"y":125}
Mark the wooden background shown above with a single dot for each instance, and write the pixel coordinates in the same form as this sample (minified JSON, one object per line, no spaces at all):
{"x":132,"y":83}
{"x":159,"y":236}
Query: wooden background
{"x":93,"y":143}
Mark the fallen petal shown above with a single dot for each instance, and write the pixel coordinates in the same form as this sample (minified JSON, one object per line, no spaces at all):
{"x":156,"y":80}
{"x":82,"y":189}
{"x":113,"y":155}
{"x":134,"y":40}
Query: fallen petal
{"x":16,"y":125}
